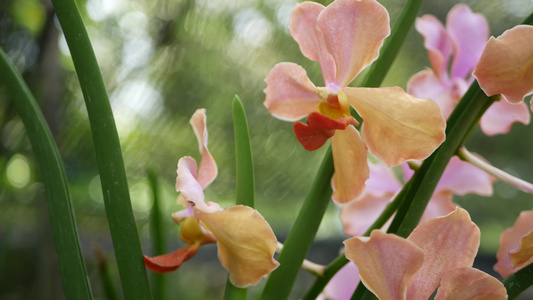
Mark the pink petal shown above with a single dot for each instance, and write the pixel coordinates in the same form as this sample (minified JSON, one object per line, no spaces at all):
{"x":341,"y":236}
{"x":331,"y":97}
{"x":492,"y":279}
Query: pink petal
{"x":207,"y":171}
{"x":469,"y":33}
{"x":386,"y":262}
{"x":343,"y":283}
{"x":382,"y":180}
{"x":425,"y":85}
{"x":501,"y":115}
{"x":506,"y":64}
{"x":510,"y":241}
{"x":303,"y":28}
{"x":469,"y":283}
{"x":437,"y":42}
{"x":448,"y":242}
{"x":353,"y":33}
{"x":439,"y":205}
{"x":351,"y":167}
{"x":189,"y":187}
{"x":463,"y":178}
{"x":246,"y":243}
{"x":290,"y":95}
{"x":397,"y":126}
{"x":358,"y":215}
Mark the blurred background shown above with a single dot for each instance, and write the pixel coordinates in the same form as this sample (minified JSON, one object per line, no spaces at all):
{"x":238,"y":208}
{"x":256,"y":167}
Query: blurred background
{"x":161,"y":60}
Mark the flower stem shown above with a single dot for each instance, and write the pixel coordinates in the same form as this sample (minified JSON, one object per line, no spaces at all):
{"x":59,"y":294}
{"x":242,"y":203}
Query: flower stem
{"x":310,"y":266}
{"x":519,"y":282}
{"x":64,"y":231}
{"x":117,"y":203}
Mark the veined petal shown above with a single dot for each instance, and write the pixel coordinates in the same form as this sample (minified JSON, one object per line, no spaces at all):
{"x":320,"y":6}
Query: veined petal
{"x":469,"y":283}
{"x":207,"y":171}
{"x":397,"y":126}
{"x":463,"y":178}
{"x":290,"y":95}
{"x":506,"y":64}
{"x":358,"y":215}
{"x":189,"y":187}
{"x":448,"y":242}
{"x":171,"y":262}
{"x":386,"y":262}
{"x":303,"y":28}
{"x":343,"y":283}
{"x":351,"y":167}
{"x":353,"y":33}
{"x":501,"y":115}
{"x":246,"y":243}
{"x":469,"y":32}
{"x":437,"y":42}
{"x":510,"y":240}
{"x":425,"y":85}
{"x":524,"y":255}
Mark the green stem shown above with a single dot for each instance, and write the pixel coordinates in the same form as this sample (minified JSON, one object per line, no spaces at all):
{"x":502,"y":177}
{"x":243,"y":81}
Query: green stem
{"x":64,"y":231}
{"x":392,"y":45}
{"x":126,"y":243}
{"x":157,"y":235}
{"x":245,"y":190}
{"x":302,"y":233}
{"x":519,"y":282}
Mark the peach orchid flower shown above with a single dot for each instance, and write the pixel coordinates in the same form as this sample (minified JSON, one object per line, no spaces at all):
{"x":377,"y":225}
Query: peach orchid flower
{"x":506,"y":65}
{"x":459,"y":178}
{"x":437,"y":255}
{"x":246,"y":243}
{"x":516,"y":246}
{"x":344,"y":38}
{"x":464,"y":38}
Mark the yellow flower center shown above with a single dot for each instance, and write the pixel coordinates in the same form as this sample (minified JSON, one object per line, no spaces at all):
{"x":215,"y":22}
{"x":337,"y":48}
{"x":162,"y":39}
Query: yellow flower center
{"x":334,"y":106}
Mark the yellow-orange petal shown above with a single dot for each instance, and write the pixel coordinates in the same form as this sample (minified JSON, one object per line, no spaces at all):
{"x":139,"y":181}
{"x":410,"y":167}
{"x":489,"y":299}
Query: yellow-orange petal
{"x":510,"y":241}
{"x":246,"y":243}
{"x":524,"y":255}
{"x":397,"y":126}
{"x":351,"y":166}
{"x":469,"y":283}
{"x":448,"y":242}
{"x":506,"y":64}
{"x":386,"y":262}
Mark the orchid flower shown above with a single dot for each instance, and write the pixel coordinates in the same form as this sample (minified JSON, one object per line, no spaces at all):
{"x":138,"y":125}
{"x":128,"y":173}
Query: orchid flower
{"x":438,"y":254}
{"x":344,"y":38}
{"x":506,"y":65}
{"x":246,"y":243}
{"x":516,"y":246}
{"x":459,"y":178}
{"x":464,"y":38}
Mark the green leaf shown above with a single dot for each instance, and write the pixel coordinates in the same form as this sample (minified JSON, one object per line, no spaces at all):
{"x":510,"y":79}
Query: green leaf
{"x":64,"y":231}
{"x":519,"y":281}
{"x":126,"y":243}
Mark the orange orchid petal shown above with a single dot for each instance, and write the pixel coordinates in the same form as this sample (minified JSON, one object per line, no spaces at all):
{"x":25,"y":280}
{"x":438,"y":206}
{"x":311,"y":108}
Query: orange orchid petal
{"x":172,"y":261}
{"x":290,"y":95}
{"x":524,"y":255}
{"x":448,"y":242}
{"x":246,"y":243}
{"x":317,"y":131}
{"x":386,"y":262}
{"x":351,"y":167}
{"x":207,"y":170}
{"x":469,"y":283}
{"x":510,"y":241}
{"x":506,"y":64}
{"x":397,"y":126}
{"x":353,"y":32}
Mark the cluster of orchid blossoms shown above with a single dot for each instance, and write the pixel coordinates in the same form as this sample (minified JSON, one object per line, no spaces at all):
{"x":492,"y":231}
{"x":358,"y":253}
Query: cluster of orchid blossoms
{"x":398,"y":129}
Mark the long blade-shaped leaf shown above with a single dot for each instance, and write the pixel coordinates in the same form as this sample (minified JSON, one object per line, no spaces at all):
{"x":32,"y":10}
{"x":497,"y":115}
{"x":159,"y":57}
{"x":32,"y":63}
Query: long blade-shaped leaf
{"x":108,"y":154}
{"x":64,"y":232}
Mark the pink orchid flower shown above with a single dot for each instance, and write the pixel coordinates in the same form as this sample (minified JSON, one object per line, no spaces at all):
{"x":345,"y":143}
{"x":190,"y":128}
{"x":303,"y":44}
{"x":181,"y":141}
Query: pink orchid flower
{"x":464,"y":38}
{"x":438,"y":254}
{"x":344,"y":38}
{"x":506,"y":65}
{"x":246,"y":243}
{"x":516,"y":246}
{"x":459,"y":178}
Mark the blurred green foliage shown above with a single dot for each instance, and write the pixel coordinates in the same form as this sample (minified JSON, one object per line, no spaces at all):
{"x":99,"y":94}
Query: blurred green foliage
{"x":161,"y":60}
